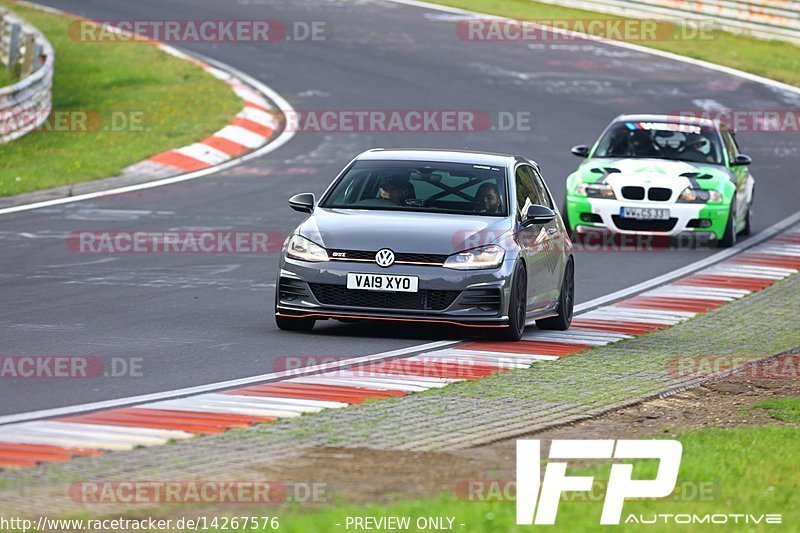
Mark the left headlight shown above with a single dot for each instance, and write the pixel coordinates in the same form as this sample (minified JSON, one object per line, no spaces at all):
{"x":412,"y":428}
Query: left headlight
{"x":305,"y":250}
{"x":477,"y":258}
{"x":699,"y":196}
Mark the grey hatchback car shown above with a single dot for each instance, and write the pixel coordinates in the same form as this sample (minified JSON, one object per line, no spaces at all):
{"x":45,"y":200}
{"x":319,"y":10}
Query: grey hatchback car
{"x":449,"y":237}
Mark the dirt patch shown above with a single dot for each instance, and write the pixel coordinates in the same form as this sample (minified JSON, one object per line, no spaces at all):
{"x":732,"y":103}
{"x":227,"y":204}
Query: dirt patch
{"x":361,"y":475}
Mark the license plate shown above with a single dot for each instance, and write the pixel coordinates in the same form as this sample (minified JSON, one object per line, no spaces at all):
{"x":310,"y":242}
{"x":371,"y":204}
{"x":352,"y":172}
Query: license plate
{"x":382,"y":282}
{"x":644,"y":213}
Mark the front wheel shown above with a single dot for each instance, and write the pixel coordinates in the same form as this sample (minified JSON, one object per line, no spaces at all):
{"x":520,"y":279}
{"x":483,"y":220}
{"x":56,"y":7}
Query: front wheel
{"x":566,"y":303}
{"x":729,"y":237}
{"x":748,"y":221}
{"x":517,"y":307}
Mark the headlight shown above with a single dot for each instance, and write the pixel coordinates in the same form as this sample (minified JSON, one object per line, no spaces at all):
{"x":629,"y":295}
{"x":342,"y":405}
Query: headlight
{"x":699,"y":196}
{"x":595,"y":190}
{"x":305,"y":250}
{"x":477,"y":258}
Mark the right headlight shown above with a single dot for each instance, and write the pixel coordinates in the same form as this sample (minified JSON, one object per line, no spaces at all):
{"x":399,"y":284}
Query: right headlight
{"x":477,"y":258}
{"x":595,"y":190}
{"x":699,"y":196}
{"x":305,"y":250}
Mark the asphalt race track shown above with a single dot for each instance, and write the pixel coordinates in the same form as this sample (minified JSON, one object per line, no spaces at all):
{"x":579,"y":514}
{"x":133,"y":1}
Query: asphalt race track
{"x":197,"y":319}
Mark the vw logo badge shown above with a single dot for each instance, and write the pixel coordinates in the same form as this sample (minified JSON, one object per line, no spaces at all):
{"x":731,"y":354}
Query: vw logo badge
{"x":385,"y":257}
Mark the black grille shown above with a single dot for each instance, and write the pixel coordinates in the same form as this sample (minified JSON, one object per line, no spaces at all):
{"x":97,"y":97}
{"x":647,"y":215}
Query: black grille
{"x":398,"y":256}
{"x":633,"y":193}
{"x":631,"y":224}
{"x":659,"y":194}
{"x":485,"y":299}
{"x":291,"y":289}
{"x":424,"y":300}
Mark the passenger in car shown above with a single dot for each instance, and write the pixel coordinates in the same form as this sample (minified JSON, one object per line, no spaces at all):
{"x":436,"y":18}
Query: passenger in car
{"x":397,"y":189}
{"x":487,"y":199}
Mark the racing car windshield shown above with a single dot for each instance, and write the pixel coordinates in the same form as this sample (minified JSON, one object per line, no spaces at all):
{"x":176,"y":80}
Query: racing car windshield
{"x":434,"y":187}
{"x":661,"y":140}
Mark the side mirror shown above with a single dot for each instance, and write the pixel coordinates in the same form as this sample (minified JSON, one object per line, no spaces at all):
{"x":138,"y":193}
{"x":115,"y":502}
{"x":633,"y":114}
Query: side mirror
{"x":303,"y":202}
{"x":538,"y":214}
{"x":741,"y":160}
{"x":581,"y":150}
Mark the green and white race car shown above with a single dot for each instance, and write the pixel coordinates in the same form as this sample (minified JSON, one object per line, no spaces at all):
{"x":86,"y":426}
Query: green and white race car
{"x":662,"y":175}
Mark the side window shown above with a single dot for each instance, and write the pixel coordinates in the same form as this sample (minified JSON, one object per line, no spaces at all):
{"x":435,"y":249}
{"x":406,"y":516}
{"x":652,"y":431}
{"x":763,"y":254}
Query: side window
{"x":526,"y":195}
{"x":730,"y":145}
{"x":541,"y":190}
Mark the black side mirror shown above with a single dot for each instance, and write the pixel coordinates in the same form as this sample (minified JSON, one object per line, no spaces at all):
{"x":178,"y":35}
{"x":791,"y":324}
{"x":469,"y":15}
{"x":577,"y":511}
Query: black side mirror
{"x":538,"y":214}
{"x":303,"y":202}
{"x":581,"y":150}
{"x":741,"y":160}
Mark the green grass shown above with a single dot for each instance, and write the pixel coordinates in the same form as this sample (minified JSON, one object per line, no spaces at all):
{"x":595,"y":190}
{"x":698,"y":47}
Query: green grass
{"x":773,"y":59}
{"x":175,"y":102}
{"x":747,"y":470}
{"x":784,"y":409}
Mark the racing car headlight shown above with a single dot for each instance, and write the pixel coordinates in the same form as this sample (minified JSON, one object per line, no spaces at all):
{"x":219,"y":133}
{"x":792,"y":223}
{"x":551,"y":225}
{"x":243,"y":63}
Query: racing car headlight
{"x":597,"y":190}
{"x":477,"y":258}
{"x":305,"y":250}
{"x":699,"y":196}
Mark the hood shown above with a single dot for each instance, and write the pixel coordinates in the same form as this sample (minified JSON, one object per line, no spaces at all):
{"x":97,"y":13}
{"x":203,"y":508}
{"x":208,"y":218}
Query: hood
{"x":409,"y":232}
{"x":674,"y":175}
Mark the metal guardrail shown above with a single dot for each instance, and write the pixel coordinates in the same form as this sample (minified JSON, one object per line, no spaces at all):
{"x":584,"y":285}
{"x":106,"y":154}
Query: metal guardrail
{"x":24,"y":51}
{"x":765,"y":19}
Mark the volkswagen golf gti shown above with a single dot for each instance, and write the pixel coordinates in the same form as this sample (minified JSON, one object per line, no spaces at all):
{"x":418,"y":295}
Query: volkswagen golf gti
{"x":450,"y":237}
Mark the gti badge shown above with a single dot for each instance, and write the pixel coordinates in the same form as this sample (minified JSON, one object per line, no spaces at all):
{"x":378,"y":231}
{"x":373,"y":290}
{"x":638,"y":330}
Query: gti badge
{"x":384,"y":258}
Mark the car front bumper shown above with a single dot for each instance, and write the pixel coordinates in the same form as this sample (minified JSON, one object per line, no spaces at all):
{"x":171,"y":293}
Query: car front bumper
{"x":698,"y":221}
{"x":476,"y":298}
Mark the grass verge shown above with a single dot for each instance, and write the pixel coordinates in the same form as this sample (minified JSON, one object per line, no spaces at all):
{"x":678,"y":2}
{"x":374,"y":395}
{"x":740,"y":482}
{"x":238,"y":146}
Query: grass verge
{"x":751,"y":471}
{"x":138,"y":101}
{"x":772,"y":59}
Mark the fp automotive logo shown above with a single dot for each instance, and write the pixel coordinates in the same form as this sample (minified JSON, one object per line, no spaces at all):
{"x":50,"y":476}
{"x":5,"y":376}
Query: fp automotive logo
{"x":620,"y":484}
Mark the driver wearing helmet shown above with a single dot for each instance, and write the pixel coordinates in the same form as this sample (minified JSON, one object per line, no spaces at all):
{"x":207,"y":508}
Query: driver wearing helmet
{"x":693,"y":149}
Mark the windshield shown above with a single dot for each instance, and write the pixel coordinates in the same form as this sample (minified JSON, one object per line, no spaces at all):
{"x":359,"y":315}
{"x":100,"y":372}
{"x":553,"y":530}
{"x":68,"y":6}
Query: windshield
{"x":422,"y":186}
{"x":661,"y":140}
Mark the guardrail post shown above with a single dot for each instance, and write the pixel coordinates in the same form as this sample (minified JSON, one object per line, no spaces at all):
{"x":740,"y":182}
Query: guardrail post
{"x":27,"y":55}
{"x":13,"y":46}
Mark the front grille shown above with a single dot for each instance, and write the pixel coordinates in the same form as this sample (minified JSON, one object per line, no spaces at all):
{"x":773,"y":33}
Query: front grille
{"x":631,"y":224}
{"x":424,"y":300}
{"x":484,"y":299}
{"x":659,"y":194}
{"x":399,"y":257}
{"x":292,"y":289}
{"x":633,"y":193}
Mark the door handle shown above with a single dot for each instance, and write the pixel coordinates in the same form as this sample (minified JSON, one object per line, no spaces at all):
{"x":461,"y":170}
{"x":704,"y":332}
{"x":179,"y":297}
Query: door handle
{"x":551,"y":231}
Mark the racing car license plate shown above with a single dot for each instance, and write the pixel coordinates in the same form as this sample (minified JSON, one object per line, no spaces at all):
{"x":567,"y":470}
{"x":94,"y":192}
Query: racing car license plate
{"x":382,"y":282}
{"x":644,"y":213}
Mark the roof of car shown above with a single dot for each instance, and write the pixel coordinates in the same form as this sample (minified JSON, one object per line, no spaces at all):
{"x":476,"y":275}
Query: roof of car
{"x":445,"y":156}
{"x":674,"y":118}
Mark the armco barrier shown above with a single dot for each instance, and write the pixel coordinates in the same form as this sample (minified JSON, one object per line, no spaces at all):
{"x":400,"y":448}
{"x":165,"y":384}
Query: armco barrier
{"x":765,"y":19}
{"x":24,"y":51}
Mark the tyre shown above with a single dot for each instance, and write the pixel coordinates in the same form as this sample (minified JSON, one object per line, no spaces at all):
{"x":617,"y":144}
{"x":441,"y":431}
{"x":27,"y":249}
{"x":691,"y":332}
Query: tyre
{"x":294,"y":324}
{"x":748,"y":221}
{"x":566,"y":303}
{"x":517,"y":307}
{"x":565,"y":217}
{"x":729,"y":237}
